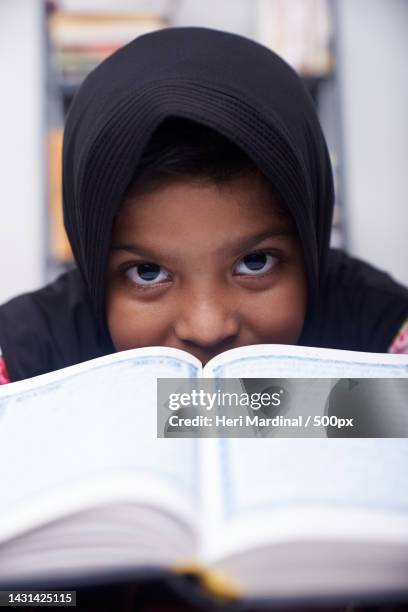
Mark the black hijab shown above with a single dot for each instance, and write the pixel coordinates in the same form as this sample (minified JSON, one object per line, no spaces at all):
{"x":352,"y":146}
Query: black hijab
{"x":252,"y":97}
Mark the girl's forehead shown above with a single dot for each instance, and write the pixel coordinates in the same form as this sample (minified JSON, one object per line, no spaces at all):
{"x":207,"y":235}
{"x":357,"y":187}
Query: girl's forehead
{"x":200,"y":219}
{"x":204,"y":204}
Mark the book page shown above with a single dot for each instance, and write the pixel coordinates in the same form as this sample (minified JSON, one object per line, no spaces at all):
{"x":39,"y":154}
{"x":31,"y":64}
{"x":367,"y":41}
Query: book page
{"x":281,"y":360}
{"x":86,"y":435}
{"x":274,"y":490}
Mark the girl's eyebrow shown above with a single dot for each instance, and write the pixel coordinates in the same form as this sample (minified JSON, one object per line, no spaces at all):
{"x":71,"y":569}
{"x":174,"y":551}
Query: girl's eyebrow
{"x":239,"y":245}
{"x":245,"y":243}
{"x":135,"y":249}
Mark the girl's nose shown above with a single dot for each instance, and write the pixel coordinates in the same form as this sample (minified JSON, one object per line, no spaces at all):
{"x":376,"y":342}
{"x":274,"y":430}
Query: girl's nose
{"x":207,"y":320}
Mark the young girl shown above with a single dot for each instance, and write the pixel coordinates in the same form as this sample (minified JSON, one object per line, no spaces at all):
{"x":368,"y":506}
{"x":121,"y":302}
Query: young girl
{"x":198,"y":201}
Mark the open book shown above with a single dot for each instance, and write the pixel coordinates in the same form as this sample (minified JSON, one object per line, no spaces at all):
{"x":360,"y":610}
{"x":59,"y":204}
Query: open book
{"x":87,"y":487}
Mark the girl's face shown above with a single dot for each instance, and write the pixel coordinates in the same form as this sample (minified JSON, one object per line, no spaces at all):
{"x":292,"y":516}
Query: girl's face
{"x":205,"y":268}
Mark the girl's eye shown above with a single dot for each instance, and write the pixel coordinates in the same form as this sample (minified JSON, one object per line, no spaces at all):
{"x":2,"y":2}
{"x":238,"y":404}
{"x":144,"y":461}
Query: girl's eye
{"x":256,"y":264}
{"x":147,"y":274}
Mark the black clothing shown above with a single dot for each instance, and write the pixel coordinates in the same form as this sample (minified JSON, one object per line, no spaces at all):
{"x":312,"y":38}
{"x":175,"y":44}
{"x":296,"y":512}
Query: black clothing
{"x":361,"y":308}
{"x":51,"y":328}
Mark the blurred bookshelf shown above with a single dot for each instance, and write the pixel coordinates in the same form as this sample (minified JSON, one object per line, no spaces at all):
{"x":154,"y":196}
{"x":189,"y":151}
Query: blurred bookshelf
{"x":82,"y":33}
{"x":81,"y":41}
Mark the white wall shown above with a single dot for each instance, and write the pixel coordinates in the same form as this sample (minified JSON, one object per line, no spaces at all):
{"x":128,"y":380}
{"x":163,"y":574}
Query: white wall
{"x":373,"y":52}
{"x":22,"y":152}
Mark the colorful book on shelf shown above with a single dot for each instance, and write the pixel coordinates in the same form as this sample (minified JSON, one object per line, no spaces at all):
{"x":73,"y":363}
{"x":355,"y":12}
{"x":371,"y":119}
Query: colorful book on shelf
{"x":60,"y":247}
{"x":81,"y":41}
{"x":89,"y":488}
